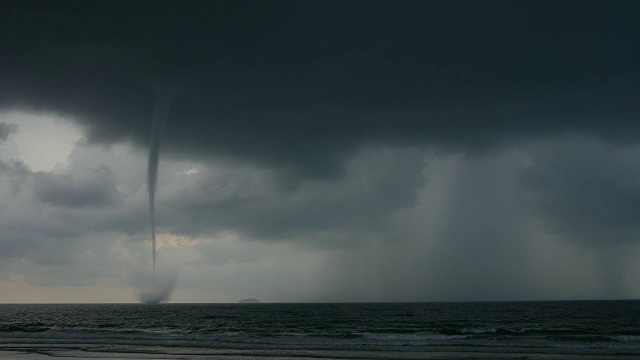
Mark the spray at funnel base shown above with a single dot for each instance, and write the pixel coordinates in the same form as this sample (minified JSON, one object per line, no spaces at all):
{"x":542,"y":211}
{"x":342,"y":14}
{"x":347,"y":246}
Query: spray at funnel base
{"x":157,"y":292}
{"x":154,"y":288}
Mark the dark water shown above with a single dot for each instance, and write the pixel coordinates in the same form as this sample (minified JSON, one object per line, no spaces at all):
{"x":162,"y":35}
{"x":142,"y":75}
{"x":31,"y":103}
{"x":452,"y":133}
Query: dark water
{"x":605,"y":327}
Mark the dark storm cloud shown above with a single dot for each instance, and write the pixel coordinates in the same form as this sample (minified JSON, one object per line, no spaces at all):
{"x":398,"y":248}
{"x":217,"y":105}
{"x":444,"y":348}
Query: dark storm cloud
{"x":377,"y":183}
{"x":299,"y":85}
{"x":6,"y":130}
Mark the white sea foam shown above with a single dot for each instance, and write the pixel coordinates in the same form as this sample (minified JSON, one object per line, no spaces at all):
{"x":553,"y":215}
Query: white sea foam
{"x":626,"y":338}
{"x":411,"y":337}
{"x":478,"y":330}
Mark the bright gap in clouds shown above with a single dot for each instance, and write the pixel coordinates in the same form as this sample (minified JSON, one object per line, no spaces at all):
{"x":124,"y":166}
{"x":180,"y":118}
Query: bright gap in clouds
{"x":42,"y":141}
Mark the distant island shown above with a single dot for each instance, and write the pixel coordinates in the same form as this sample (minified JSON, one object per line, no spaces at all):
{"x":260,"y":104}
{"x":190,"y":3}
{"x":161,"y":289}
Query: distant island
{"x":249,"y":301}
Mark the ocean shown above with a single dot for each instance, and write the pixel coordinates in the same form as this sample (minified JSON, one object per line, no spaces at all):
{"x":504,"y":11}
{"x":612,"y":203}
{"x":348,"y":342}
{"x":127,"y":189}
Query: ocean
{"x":477,"y":330}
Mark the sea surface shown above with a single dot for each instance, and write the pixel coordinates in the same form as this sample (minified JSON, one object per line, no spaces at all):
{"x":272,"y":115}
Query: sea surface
{"x":536,"y":330}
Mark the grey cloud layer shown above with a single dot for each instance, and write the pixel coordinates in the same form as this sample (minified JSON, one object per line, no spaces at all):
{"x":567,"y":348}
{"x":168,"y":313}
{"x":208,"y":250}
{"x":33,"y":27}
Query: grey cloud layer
{"x":6,"y":130}
{"x":93,"y":188}
{"x":45,"y":214}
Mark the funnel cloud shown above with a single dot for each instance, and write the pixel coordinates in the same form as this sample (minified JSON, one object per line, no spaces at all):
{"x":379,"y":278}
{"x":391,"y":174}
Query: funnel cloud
{"x":163,"y":102}
{"x":160,"y":289}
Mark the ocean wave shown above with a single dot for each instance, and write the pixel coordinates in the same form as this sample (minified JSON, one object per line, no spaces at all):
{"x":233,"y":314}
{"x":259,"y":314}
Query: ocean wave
{"x":519,"y":332}
{"x":625,"y":338}
{"x":23,"y":328}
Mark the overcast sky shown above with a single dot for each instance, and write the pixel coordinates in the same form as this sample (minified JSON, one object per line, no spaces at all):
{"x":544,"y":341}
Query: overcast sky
{"x":322,"y":151}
